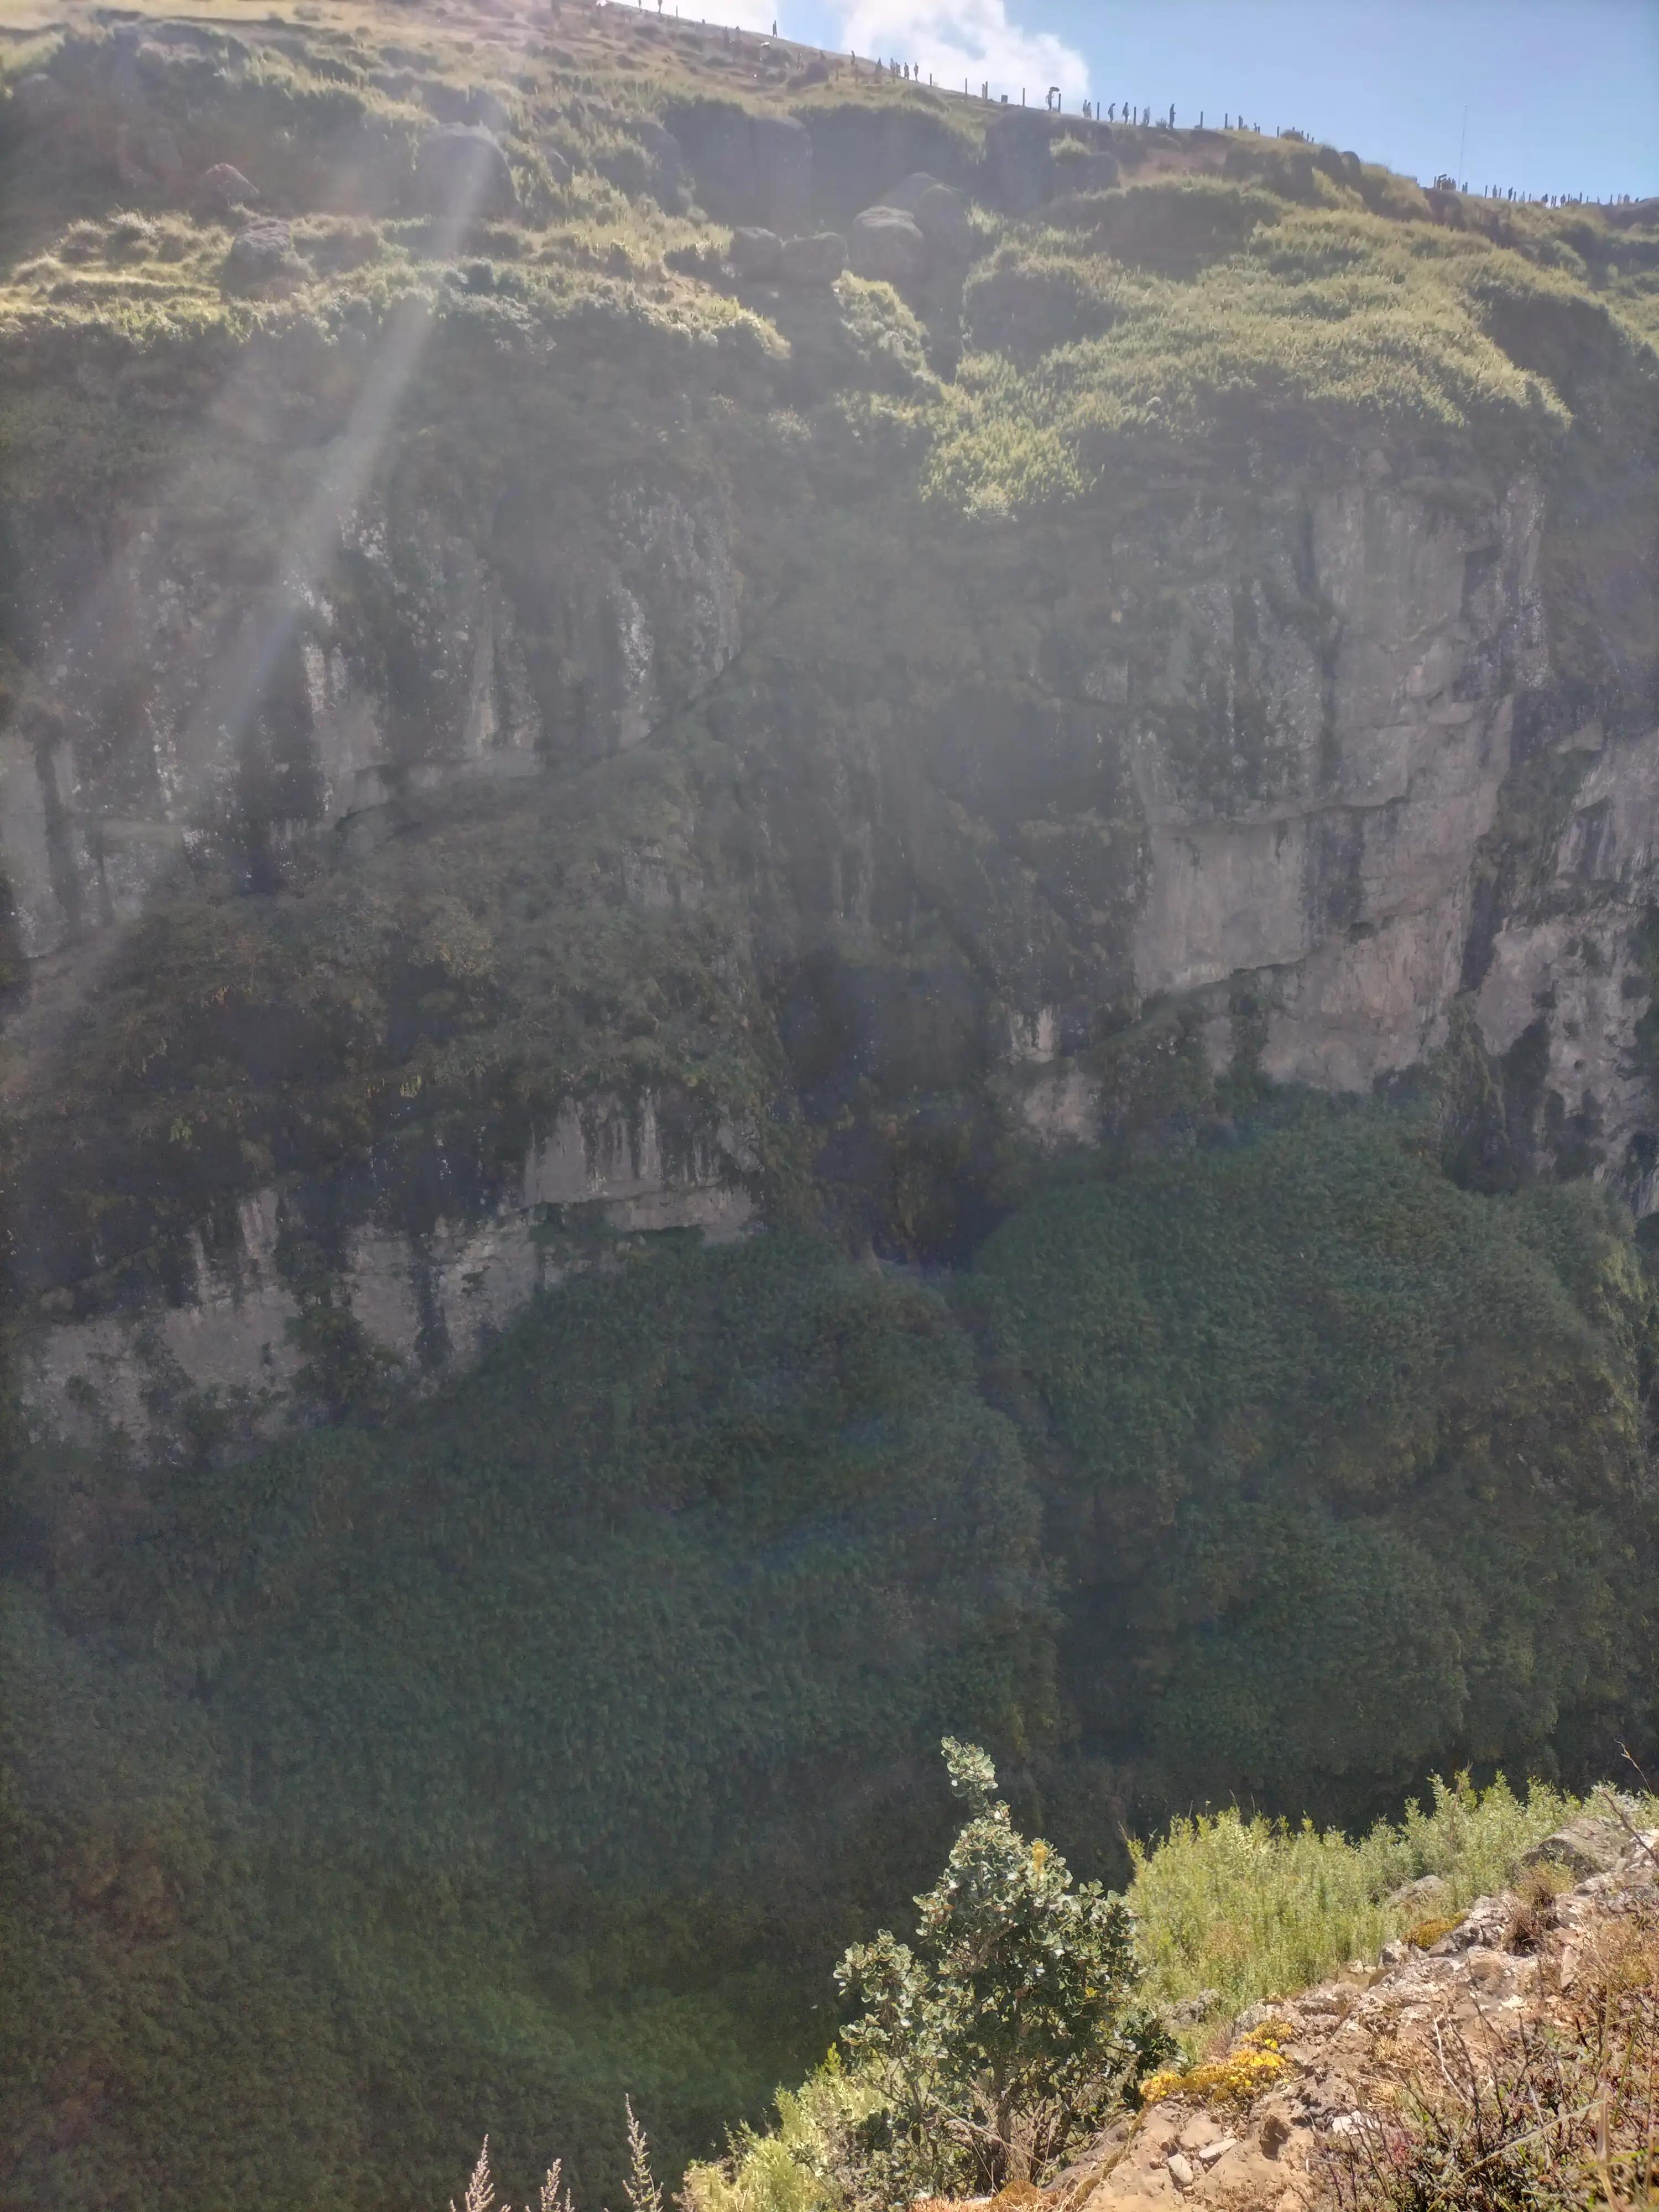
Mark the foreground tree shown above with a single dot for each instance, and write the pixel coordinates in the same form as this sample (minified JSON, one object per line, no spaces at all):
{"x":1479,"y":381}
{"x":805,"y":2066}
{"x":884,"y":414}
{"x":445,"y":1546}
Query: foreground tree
{"x":1010,"y":2029}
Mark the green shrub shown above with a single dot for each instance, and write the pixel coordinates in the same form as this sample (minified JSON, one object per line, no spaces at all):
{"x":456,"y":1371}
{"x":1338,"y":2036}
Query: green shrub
{"x":1009,"y":2031}
{"x":1174,"y":225}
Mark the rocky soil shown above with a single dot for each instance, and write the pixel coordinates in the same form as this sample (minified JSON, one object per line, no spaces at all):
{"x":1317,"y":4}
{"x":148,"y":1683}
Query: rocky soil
{"x":1299,"y":2081}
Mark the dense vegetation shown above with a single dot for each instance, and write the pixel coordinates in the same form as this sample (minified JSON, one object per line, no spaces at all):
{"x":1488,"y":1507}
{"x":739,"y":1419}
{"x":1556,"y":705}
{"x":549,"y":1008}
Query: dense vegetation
{"x":475,"y":1765}
{"x":466,"y":1761}
{"x":1223,"y":1909}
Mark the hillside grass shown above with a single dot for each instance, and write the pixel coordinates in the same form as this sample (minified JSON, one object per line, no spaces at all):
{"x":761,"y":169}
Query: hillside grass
{"x":1249,"y":1907}
{"x":1233,"y":1906}
{"x":1230,"y":289}
{"x":1325,"y":325}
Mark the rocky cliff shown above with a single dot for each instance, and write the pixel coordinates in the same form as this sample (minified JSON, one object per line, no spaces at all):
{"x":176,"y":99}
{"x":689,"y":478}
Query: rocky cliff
{"x":529,"y":712}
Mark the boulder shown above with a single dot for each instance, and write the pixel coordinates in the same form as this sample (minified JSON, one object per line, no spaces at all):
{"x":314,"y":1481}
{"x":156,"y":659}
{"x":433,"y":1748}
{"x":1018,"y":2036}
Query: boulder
{"x":783,"y":169}
{"x":1019,"y":160}
{"x":1423,"y":1896}
{"x":460,"y":171}
{"x":146,"y":156}
{"x":221,"y":190}
{"x":487,"y":108}
{"x":261,"y":259}
{"x":941,"y":216}
{"x":1589,"y":1845}
{"x":757,"y":254}
{"x":908,"y":194}
{"x":1083,"y":171}
{"x":40,"y":100}
{"x":886,"y":243}
{"x":749,"y":168}
{"x":1194,"y":2011}
{"x":1483,"y":1926}
{"x":817,"y":260}
{"x":663,"y":150}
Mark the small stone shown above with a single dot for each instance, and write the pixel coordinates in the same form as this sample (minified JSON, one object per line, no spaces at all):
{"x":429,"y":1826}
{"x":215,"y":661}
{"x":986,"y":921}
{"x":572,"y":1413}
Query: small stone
{"x":1394,"y":1953}
{"x":1275,"y":2133}
{"x":1210,"y":2152}
{"x":1181,"y":2169}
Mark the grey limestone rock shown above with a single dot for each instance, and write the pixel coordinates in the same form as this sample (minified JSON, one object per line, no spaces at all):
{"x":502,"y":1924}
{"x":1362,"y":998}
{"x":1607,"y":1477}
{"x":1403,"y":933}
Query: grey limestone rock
{"x":460,"y":171}
{"x":908,"y":192}
{"x":1483,"y":1928}
{"x":39,"y":99}
{"x":757,"y":253}
{"x":1189,"y":2012}
{"x":887,"y":243}
{"x":1590,"y":1844}
{"x":261,"y":259}
{"x":817,"y":260}
{"x":941,"y":216}
{"x":1424,"y":1895}
{"x":222,"y":189}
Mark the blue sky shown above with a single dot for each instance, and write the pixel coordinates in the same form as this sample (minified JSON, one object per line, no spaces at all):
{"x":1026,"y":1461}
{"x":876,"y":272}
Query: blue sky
{"x":1562,"y":95}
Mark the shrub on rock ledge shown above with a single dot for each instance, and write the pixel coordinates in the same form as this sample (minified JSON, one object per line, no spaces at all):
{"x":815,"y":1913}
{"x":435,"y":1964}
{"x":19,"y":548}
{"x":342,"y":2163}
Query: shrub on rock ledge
{"x":1011,"y":2030}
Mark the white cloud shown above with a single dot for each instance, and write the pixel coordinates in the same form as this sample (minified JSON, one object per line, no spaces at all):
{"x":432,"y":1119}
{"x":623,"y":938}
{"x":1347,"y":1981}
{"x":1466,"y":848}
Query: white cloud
{"x":951,"y":39}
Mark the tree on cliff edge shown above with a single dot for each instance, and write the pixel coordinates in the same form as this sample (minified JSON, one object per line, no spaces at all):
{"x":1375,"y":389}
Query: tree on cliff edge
{"x":1009,"y":2031}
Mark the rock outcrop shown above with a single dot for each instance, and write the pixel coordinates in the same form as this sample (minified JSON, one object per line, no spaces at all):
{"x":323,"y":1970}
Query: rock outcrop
{"x":887,"y":243}
{"x":1314,"y":2077}
{"x":461,"y":173}
{"x":1326,"y":767}
{"x":235,"y":1333}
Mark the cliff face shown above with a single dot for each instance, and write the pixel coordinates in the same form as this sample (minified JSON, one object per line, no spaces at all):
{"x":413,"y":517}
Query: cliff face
{"x":465,"y":778}
{"x":1067,"y":771}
